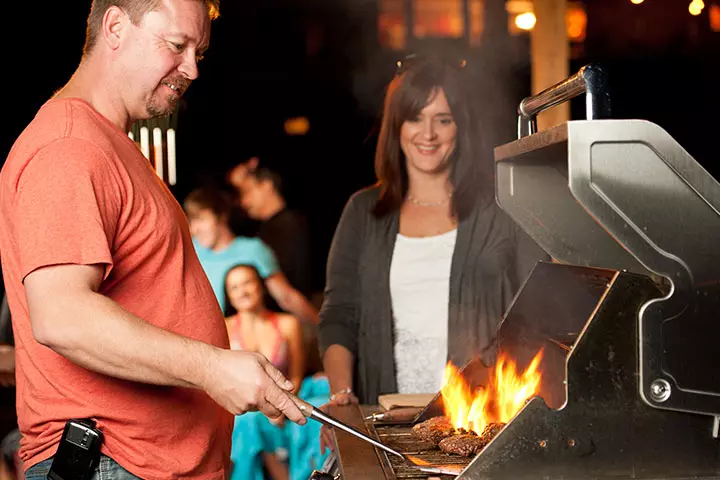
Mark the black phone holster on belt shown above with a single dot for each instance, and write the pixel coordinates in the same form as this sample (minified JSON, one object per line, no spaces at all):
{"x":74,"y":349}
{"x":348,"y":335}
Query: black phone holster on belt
{"x":78,"y":454}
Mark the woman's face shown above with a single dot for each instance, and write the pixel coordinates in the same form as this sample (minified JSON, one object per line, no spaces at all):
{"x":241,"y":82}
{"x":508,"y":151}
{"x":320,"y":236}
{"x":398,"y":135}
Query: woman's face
{"x":429,"y":139}
{"x":244,"y":289}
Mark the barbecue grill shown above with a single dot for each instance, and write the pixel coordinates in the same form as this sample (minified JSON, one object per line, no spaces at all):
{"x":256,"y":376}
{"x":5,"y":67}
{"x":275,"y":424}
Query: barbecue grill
{"x":628,"y":314}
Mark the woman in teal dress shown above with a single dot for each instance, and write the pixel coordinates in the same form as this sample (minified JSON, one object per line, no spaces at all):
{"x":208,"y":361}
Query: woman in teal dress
{"x":261,"y":446}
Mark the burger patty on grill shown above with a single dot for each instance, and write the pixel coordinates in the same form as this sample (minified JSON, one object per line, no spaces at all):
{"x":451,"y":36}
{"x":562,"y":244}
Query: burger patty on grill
{"x":433,"y":430}
{"x":467,"y":444}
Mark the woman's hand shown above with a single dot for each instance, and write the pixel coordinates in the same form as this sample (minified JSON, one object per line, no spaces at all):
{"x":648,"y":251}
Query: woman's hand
{"x":343,"y":397}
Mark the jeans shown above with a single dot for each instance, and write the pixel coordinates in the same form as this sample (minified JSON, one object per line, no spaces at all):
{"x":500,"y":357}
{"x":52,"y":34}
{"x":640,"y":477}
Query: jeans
{"x":107,"y":469}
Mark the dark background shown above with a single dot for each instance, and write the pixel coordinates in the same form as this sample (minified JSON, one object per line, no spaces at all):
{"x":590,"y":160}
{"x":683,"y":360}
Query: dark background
{"x":275,"y":59}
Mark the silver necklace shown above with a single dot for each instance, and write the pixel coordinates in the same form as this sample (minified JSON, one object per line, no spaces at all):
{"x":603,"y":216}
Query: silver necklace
{"x":419,"y":203}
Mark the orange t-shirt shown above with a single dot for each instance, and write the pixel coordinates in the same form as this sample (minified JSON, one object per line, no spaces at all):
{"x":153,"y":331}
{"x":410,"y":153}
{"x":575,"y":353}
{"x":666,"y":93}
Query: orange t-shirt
{"x":76,"y":190}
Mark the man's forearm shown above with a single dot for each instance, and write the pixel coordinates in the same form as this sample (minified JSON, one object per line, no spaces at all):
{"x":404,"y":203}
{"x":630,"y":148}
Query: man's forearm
{"x":96,"y":333}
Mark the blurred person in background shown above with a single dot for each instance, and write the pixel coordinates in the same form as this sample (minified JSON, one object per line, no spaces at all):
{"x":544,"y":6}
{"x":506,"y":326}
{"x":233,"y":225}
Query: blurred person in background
{"x":283,"y":451}
{"x":113,"y":317}
{"x":217,"y":246}
{"x":238,"y":175}
{"x":240,"y":222}
{"x":422,"y":265}
{"x":284,"y":230}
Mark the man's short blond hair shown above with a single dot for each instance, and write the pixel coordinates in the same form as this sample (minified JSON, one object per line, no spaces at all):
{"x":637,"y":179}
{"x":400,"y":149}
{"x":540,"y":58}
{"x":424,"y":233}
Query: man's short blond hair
{"x":136,"y":9}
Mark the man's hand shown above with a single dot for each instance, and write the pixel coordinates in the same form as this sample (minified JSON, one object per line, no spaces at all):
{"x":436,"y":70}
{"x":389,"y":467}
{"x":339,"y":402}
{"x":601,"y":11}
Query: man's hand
{"x":278,"y":422}
{"x":245,"y":381}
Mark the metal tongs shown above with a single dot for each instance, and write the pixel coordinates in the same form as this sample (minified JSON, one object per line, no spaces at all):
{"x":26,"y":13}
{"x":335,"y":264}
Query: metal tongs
{"x":319,"y":416}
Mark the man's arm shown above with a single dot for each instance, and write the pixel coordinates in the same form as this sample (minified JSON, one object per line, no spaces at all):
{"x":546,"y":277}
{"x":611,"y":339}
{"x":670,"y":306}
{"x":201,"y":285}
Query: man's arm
{"x":290,"y":299}
{"x":70,"y":317}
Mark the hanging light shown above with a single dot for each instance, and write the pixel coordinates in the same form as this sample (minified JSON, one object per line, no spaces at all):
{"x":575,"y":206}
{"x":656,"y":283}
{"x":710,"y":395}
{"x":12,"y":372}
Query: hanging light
{"x":696,"y":7}
{"x":525,"y":21}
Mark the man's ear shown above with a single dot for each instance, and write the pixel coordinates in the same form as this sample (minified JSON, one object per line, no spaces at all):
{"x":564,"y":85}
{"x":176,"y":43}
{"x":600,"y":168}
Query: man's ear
{"x":114,"y":25}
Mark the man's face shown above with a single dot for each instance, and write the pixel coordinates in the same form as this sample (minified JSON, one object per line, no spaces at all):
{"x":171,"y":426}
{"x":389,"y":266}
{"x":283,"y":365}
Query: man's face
{"x":159,"y":56}
{"x":205,"y":226}
{"x":254,"y":195}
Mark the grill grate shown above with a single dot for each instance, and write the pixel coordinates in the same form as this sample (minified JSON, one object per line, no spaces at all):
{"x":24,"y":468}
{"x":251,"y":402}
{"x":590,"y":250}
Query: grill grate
{"x":400,"y":438}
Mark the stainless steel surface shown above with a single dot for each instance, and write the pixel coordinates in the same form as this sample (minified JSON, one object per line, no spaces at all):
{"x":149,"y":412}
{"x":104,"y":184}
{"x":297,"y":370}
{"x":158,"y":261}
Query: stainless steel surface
{"x":590,"y":79}
{"x":532,"y":186}
{"x":374,"y":417}
{"x":622,"y":194}
{"x":589,"y":421}
{"x":325,"y":419}
{"x":443,"y":470}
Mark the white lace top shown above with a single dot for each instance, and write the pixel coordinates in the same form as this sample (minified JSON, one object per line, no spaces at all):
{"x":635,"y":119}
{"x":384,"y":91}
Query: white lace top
{"x":419,"y":290}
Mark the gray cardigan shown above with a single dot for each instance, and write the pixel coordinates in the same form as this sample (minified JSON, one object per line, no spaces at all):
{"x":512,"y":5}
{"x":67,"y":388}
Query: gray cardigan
{"x":491,"y":258}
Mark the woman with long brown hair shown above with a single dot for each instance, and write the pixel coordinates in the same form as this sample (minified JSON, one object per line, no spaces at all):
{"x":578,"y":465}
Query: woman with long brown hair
{"x":424,"y":263}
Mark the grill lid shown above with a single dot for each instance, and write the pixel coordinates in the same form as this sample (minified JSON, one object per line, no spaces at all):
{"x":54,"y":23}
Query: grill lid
{"x":624,"y":195}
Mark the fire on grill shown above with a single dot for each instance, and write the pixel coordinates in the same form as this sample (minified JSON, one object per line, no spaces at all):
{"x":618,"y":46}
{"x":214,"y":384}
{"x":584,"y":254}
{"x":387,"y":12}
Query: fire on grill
{"x":473,"y":417}
{"x":607,"y":357}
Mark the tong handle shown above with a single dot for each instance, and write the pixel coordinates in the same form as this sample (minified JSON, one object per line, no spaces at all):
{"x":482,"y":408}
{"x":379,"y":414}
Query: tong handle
{"x":304,"y":407}
{"x":399,"y":414}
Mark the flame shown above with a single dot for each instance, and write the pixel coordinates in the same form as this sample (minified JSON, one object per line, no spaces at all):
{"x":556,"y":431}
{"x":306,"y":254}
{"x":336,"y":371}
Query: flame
{"x":497,"y":402}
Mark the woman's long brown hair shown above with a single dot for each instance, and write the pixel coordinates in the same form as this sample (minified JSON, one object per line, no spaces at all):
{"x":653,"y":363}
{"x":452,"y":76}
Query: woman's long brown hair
{"x":407,"y":95}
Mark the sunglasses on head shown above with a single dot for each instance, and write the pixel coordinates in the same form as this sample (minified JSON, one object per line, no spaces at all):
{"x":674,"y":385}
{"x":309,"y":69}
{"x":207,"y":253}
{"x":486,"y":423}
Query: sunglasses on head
{"x":415,"y":58}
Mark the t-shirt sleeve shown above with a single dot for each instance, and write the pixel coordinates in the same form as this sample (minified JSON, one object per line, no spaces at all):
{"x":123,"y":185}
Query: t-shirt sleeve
{"x":66,"y":207}
{"x":266,"y":262}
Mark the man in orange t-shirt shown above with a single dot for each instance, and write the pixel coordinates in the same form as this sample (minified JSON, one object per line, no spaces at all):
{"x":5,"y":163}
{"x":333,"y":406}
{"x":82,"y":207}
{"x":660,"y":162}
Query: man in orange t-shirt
{"x":113,"y":316}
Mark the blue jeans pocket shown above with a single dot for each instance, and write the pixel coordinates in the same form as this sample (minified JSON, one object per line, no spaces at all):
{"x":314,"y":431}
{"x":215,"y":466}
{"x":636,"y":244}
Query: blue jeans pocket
{"x":109,"y":469}
{"x":39,"y":471}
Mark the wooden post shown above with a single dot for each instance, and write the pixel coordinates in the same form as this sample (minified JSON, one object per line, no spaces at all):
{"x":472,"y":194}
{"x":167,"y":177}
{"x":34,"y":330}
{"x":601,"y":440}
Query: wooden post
{"x":549,"y":53}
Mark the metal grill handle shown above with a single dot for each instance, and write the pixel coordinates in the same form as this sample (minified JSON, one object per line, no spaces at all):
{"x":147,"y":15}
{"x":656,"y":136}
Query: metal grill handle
{"x":590,"y":79}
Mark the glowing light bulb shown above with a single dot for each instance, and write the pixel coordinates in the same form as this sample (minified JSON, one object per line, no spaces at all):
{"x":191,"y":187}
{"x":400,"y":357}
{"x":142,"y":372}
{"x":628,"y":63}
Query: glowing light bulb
{"x":636,"y":2}
{"x":525,"y":21}
{"x":696,"y":7}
